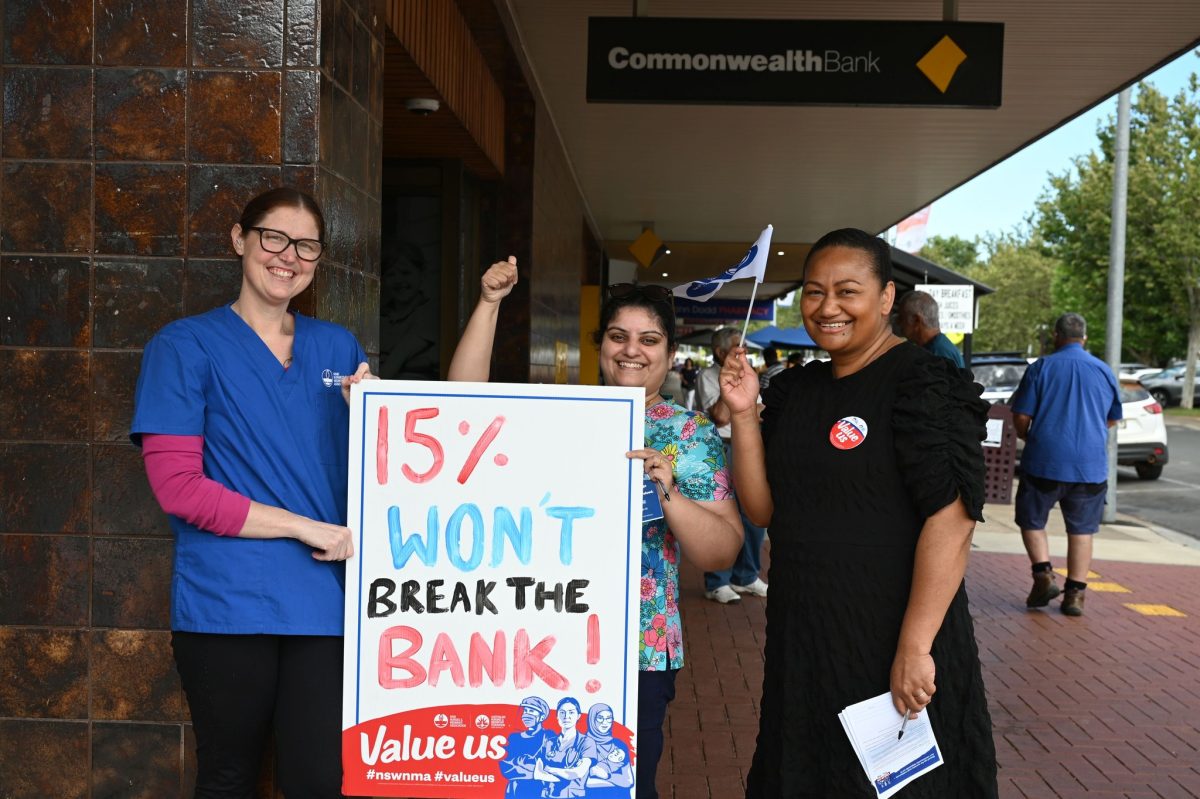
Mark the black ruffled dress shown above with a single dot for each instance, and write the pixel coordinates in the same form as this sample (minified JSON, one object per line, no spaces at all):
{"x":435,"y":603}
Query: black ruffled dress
{"x":843,"y":538}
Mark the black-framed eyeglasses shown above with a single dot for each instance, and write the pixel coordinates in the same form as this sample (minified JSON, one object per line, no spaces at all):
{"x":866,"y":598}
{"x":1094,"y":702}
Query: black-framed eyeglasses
{"x":650,"y":291}
{"x":277,"y":241}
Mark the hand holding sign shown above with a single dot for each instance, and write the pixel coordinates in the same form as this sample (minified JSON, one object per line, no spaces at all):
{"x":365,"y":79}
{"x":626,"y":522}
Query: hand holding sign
{"x":330,"y":542}
{"x":658,"y":467}
{"x":362,"y":373}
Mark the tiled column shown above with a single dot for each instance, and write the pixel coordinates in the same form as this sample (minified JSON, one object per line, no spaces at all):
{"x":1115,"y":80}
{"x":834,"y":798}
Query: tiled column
{"x":133,"y":133}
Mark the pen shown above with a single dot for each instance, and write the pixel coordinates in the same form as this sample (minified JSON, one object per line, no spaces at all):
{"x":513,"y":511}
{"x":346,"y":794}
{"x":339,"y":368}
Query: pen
{"x":666,"y":496}
{"x":904,"y":723}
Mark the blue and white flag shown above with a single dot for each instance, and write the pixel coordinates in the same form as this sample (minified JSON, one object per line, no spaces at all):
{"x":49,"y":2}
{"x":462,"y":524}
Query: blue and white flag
{"x":754,"y":265}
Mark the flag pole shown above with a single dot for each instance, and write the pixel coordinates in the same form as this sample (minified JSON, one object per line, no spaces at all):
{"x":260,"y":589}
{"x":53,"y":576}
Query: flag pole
{"x":749,"y":311}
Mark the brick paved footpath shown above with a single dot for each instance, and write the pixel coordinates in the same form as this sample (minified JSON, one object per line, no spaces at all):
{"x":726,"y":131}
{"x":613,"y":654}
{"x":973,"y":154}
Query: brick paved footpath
{"x":1107,"y":705}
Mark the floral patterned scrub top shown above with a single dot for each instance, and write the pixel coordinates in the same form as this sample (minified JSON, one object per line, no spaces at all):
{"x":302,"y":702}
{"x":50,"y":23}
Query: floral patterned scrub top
{"x":697,"y":456}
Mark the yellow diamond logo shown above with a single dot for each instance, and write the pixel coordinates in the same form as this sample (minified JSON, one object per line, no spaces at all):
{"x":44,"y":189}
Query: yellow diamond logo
{"x":645,"y":247}
{"x":940,"y":63}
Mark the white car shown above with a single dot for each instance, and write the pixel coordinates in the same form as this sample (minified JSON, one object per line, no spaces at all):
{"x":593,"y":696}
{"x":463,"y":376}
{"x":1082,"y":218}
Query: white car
{"x":999,"y":373}
{"x":1136,"y":371}
{"x":1141,"y":433}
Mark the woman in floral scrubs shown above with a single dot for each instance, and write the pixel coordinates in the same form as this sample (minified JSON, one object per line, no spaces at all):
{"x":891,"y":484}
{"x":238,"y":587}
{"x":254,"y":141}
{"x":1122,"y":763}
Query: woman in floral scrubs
{"x":685,"y":456}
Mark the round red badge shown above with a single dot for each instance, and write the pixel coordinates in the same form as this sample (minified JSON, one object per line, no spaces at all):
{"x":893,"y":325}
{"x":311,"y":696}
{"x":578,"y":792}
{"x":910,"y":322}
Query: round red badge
{"x":848,"y":432}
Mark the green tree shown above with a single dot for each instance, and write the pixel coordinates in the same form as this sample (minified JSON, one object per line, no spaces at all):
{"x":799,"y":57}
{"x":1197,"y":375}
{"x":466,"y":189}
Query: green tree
{"x":789,"y":315}
{"x":952,"y":252}
{"x":1162,"y":255}
{"x":1177,"y":232}
{"x":1017,"y":315}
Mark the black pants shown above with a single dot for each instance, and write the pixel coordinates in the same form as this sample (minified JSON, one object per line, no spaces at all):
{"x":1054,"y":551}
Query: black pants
{"x":240,"y":687}
{"x":656,"y":689}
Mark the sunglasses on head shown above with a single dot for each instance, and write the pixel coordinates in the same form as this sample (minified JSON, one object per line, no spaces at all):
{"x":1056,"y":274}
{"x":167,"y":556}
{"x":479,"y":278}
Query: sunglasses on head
{"x":648,"y":290}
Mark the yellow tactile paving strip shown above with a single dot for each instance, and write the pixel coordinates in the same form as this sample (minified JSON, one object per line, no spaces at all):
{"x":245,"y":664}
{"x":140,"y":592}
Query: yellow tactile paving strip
{"x":1117,"y":588}
{"x":1154,"y":610}
{"x":1091,"y":575}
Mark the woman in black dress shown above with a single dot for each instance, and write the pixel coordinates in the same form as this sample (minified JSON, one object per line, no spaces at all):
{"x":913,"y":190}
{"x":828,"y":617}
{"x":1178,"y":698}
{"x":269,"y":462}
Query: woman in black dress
{"x":868,"y":470}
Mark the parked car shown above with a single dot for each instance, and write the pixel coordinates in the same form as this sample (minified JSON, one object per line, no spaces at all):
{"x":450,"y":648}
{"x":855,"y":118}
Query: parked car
{"x":1141,"y":433}
{"x":1136,"y":371}
{"x":1167,"y":386}
{"x":999,"y":373}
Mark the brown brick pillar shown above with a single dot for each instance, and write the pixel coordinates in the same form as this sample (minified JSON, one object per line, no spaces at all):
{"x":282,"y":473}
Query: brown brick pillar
{"x":133,"y":133}
{"x":511,"y":355}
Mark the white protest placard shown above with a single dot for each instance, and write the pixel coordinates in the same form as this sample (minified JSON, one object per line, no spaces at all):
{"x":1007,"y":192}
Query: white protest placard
{"x":956,"y":306}
{"x":497,"y":535}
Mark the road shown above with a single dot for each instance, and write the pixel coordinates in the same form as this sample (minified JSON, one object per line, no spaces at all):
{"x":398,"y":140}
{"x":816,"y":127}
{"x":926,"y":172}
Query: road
{"x":1173,"y":500}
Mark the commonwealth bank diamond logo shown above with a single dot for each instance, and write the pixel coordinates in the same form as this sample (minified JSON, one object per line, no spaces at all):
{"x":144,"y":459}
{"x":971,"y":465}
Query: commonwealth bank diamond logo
{"x":940,"y":63}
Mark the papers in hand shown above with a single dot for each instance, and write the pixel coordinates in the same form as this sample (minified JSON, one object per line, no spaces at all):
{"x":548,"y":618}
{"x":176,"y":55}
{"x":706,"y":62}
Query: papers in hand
{"x":890,"y":764}
{"x":651,"y":506}
{"x":995,"y":433}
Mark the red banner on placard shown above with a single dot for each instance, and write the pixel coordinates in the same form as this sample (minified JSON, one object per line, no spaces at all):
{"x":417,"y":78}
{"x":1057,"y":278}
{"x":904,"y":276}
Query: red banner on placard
{"x":494,"y":594}
{"x":445,"y":751}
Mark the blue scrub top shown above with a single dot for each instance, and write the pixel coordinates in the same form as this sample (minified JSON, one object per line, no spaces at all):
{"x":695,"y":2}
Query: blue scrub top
{"x":1071,"y":395}
{"x":278,"y":436}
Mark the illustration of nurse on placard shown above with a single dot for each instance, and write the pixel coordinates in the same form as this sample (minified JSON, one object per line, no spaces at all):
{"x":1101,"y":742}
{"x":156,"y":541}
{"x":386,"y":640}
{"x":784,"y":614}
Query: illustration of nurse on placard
{"x":539,"y":763}
{"x":561,"y":765}
{"x":611,"y":772}
{"x":522,"y":748}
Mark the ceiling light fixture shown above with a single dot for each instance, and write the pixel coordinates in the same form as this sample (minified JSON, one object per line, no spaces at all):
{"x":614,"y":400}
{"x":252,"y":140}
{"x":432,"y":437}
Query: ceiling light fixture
{"x":665,"y":274}
{"x":780,"y":252}
{"x":668,"y":252}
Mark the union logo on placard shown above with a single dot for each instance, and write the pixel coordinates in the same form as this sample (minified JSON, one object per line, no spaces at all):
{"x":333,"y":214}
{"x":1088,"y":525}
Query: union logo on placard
{"x":848,"y":432}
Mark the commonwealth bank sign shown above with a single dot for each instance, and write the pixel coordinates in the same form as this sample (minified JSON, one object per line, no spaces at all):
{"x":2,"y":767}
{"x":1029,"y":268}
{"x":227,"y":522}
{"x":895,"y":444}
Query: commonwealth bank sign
{"x":794,"y":62}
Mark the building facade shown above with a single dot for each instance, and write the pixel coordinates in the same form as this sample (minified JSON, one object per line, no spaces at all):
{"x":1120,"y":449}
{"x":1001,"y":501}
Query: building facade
{"x":133,"y":133}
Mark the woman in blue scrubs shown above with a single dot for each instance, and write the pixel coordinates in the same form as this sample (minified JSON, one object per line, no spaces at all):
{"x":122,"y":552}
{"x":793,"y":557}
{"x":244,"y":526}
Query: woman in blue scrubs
{"x":242,"y":416}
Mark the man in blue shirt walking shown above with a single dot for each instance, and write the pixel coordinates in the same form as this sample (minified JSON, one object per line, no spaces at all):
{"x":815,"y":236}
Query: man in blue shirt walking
{"x":1063,"y":408}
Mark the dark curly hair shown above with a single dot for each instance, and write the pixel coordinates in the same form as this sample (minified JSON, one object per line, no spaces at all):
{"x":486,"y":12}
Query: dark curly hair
{"x":662,"y":310}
